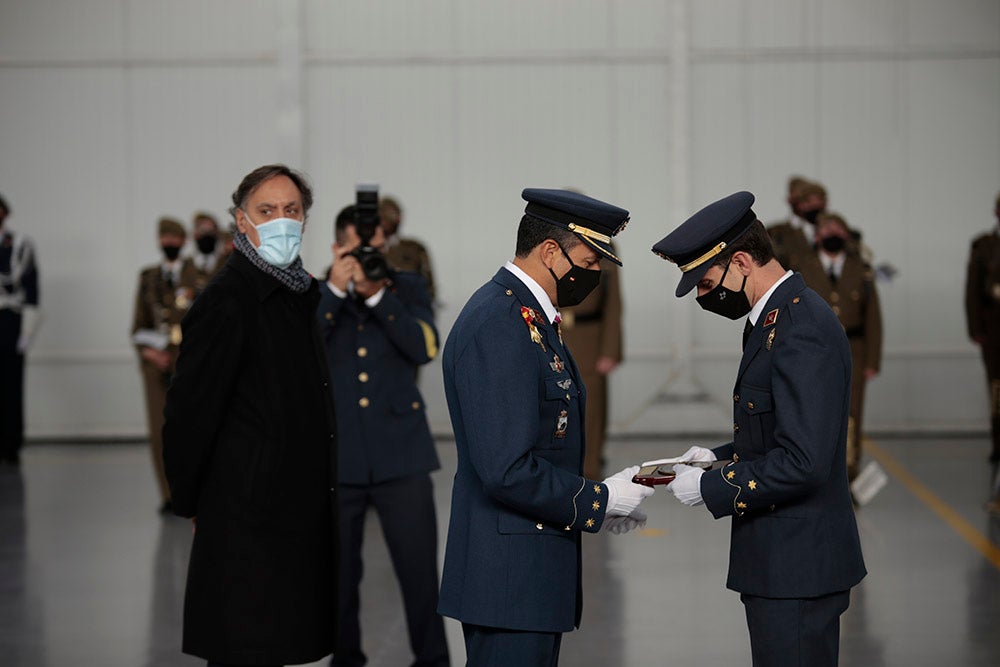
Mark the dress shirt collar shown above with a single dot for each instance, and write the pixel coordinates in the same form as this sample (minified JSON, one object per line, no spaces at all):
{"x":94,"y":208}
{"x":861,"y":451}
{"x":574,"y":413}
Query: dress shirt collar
{"x":543,"y":299}
{"x":807,"y":228}
{"x":836,"y":262}
{"x":758,"y":307}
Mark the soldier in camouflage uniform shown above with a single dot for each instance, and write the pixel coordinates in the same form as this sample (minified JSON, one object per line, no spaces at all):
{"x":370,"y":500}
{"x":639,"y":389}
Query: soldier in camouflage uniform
{"x":166,"y":291}
{"x":794,"y":238}
{"x":982,"y":311}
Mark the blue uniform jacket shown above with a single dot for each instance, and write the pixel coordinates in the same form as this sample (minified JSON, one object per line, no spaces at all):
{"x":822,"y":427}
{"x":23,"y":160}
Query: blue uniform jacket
{"x":373,"y":355}
{"x":793,"y":534}
{"x":519,"y":500}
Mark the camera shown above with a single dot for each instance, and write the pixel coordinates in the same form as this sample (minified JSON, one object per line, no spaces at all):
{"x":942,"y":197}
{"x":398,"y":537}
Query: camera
{"x":366,"y":223}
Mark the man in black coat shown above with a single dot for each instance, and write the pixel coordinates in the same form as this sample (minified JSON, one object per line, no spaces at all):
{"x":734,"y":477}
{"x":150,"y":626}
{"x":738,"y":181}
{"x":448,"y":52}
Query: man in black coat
{"x":250,"y":444}
{"x":378,"y":326}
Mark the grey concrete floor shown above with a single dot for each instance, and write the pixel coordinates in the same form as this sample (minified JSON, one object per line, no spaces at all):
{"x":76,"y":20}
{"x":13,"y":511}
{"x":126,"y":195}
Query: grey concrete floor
{"x":91,"y":575}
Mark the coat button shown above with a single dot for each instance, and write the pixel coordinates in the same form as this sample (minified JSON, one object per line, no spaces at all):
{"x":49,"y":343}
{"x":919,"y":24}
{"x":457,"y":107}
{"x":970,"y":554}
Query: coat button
{"x":796,"y":299}
{"x":835,"y":297}
{"x":736,"y":398}
{"x":364,"y":402}
{"x":391,"y":318}
{"x":362,"y":351}
{"x":736,"y":458}
{"x":329,"y":317}
{"x":509,"y":293}
{"x":750,"y":405}
{"x":363,"y":377}
{"x":415,"y":405}
{"x":361,"y":327}
{"x":836,"y":310}
{"x":539,"y":526}
{"x":736,"y":428}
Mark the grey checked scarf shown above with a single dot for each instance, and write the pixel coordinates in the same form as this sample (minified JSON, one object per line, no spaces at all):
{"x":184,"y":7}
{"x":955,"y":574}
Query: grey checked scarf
{"x":294,"y":277}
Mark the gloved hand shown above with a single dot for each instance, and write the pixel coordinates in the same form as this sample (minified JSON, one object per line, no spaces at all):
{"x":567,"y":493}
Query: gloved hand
{"x":624,"y":495}
{"x":686,"y":486}
{"x":622,"y":524}
{"x":696,"y":453}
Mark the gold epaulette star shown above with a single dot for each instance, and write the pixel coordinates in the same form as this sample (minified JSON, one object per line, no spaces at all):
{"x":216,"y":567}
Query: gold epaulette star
{"x":597,"y":489}
{"x":596,"y":505}
{"x":590,"y":523}
{"x":752,"y":484}
{"x":730,"y":474}
{"x":742,"y":506}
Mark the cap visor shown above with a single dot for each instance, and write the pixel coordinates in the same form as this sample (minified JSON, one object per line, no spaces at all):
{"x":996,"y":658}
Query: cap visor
{"x":604,"y":249}
{"x":690,"y":279}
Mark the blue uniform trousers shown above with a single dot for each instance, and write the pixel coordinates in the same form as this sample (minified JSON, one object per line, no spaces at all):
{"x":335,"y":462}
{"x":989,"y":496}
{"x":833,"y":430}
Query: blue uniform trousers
{"x":405,"y":507}
{"x":497,"y":647}
{"x":795,"y":632}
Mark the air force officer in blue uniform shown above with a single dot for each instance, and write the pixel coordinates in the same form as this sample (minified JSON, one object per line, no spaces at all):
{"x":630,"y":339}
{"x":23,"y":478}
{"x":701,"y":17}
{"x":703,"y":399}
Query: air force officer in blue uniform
{"x":795,"y":552}
{"x":520,"y":502}
{"x":378,"y":328}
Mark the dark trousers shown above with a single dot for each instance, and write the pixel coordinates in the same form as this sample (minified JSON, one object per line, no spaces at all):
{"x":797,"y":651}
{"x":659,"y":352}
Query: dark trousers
{"x":11,"y":405}
{"x":219,"y":664}
{"x":795,"y":632}
{"x":496,"y":647}
{"x":991,"y":359}
{"x":405,"y":508}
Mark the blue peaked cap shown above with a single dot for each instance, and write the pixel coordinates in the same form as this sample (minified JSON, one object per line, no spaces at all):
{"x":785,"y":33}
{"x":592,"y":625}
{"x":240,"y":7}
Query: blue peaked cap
{"x":704,"y":235}
{"x":593,"y":221}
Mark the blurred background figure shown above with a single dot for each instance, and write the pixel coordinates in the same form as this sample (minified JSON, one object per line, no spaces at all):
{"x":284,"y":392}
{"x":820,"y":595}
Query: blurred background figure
{"x":593,"y":333}
{"x":209,"y":254}
{"x":378,"y":327}
{"x":847,"y":283}
{"x":165,"y":293}
{"x":20,"y":318}
{"x":794,"y":238}
{"x":404,"y":254}
{"x":982,"y":312}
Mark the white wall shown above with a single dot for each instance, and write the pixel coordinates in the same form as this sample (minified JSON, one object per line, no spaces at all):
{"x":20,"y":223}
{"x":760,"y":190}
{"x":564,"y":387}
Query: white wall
{"x":116,"y":112}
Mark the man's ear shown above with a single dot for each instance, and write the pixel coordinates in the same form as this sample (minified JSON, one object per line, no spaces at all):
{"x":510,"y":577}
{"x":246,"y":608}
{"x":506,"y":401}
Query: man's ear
{"x":743,"y":262}
{"x":548,"y":252}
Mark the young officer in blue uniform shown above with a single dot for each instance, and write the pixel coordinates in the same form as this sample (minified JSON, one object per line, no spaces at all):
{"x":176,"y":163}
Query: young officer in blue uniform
{"x":378,"y":331}
{"x":519,"y":501}
{"x":795,"y":551}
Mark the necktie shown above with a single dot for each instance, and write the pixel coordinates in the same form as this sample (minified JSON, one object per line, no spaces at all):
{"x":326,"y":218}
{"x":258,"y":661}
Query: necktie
{"x":746,"y":333}
{"x":833,"y":275}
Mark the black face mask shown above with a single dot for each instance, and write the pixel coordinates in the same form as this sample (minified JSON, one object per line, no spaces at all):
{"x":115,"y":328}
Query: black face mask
{"x":575,"y":284}
{"x":833,"y":244}
{"x":171,"y":252}
{"x":810,"y":216}
{"x":733,"y":304}
{"x":206,"y":244}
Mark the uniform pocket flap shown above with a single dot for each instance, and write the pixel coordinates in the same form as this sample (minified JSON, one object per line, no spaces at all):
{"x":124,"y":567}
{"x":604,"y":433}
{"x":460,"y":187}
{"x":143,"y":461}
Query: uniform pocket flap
{"x":559,"y":387}
{"x":754,"y":401}
{"x":517,"y":524}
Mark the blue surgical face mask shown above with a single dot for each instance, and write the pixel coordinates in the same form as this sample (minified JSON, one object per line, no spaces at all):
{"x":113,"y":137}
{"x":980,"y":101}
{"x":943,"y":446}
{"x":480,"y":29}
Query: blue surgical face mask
{"x":280,"y":241}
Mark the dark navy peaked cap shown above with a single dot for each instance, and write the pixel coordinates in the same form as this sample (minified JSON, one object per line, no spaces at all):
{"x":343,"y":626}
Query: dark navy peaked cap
{"x":704,"y":235}
{"x":595,"y":222}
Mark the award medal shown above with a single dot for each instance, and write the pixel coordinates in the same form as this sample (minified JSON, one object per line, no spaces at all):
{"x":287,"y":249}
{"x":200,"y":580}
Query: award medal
{"x":561,"y":423}
{"x":530,"y":318}
{"x":556,"y":364}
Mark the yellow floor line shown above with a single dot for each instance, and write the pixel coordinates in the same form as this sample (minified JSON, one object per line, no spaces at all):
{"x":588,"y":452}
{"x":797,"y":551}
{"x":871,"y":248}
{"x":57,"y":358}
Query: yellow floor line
{"x":966,"y":530}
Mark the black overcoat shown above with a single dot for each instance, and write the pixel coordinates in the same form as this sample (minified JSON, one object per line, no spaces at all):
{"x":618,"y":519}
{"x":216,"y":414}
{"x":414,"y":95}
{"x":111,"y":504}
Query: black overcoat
{"x":250,"y":449}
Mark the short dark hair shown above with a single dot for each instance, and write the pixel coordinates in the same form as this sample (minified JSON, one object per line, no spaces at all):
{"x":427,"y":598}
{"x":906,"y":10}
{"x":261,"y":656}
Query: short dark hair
{"x":756,"y":242}
{"x":253,"y":180}
{"x":532,"y":231}
{"x":343,"y":220}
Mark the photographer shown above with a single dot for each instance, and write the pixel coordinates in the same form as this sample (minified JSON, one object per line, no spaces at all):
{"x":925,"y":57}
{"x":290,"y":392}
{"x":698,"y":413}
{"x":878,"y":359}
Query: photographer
{"x":378,"y":328}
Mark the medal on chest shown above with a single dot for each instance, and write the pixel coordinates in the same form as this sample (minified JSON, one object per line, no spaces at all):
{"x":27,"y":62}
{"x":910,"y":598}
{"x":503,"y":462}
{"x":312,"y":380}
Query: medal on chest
{"x":562,"y":422}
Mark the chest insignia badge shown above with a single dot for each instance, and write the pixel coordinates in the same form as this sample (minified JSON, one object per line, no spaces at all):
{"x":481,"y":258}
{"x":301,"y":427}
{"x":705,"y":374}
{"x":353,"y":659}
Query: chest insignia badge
{"x":561,"y":423}
{"x":770,"y":339}
{"x":564,"y":384}
{"x":771,"y":317}
{"x":531,"y":317}
{"x":557,"y":364}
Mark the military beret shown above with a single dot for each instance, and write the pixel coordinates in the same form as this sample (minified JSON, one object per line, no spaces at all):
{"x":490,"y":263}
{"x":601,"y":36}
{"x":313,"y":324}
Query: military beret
{"x":171,"y":226}
{"x":704,"y":235}
{"x":593,"y":221}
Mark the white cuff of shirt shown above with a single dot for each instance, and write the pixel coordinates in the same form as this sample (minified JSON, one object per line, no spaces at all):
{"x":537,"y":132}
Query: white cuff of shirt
{"x":371,"y":301}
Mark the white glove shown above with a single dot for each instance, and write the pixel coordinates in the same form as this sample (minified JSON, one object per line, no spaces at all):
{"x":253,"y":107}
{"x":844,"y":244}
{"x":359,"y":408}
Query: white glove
{"x":31,"y":319}
{"x":696,"y":453}
{"x":686,"y":486}
{"x":622,"y":524}
{"x":624,"y":495}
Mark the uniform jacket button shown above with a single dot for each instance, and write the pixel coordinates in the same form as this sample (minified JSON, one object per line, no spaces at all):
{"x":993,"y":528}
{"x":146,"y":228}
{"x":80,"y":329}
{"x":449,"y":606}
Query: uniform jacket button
{"x":362,"y":377}
{"x":364,"y":402}
{"x":539,"y":526}
{"x":362,"y":351}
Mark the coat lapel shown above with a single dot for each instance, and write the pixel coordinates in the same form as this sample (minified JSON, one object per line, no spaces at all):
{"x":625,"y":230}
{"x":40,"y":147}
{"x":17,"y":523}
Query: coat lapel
{"x":779,"y":300}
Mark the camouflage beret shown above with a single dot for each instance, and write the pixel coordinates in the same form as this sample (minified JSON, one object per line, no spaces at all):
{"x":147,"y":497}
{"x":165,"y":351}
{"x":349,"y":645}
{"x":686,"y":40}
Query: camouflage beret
{"x":171,"y":226}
